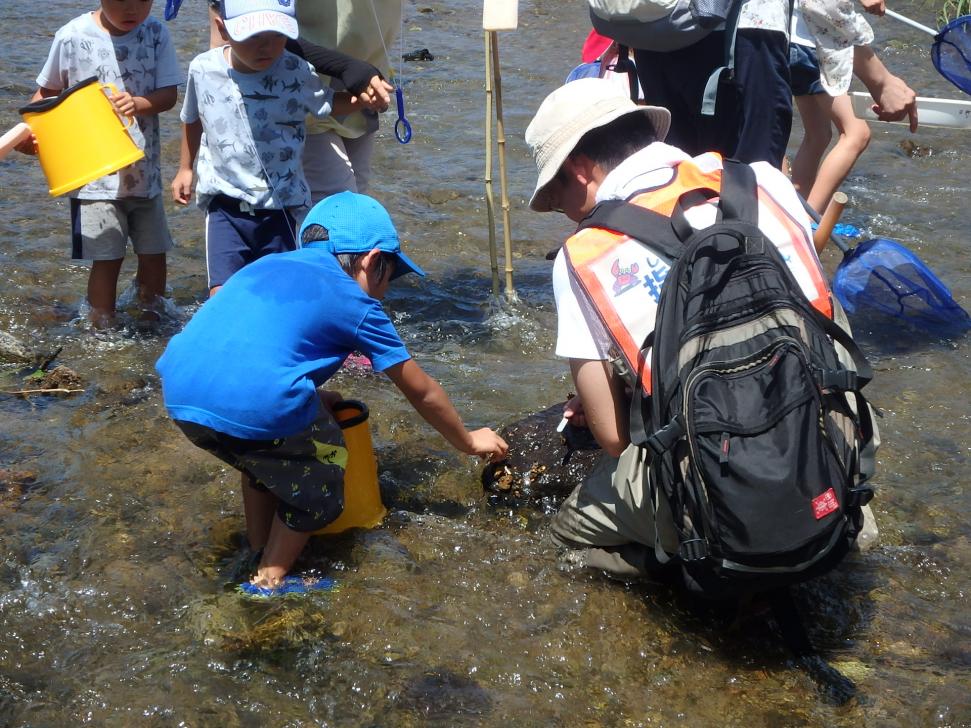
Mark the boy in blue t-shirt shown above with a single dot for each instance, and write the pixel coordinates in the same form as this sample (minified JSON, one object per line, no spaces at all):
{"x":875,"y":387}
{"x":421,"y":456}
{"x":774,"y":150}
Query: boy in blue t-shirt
{"x":244,"y":125}
{"x":243,"y":379}
{"x":119,"y":44}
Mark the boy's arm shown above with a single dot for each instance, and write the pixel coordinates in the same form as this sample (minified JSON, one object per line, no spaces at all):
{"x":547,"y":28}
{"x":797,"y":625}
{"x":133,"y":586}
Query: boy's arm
{"x":156,"y":102}
{"x":430,"y":401}
{"x":182,"y":184}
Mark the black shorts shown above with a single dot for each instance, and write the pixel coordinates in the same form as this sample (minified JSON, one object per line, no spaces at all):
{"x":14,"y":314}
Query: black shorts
{"x":304,"y":471}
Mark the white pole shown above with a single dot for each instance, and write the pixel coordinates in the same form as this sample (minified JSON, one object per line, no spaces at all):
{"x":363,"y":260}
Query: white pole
{"x":911,"y":23}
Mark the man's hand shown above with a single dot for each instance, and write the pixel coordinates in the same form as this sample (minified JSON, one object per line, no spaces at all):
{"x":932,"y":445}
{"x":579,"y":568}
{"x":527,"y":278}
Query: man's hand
{"x":573,"y":412}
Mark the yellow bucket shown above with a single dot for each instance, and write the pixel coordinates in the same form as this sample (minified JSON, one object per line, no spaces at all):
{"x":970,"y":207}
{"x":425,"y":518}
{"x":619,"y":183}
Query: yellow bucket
{"x":79,"y":136}
{"x":362,"y":497}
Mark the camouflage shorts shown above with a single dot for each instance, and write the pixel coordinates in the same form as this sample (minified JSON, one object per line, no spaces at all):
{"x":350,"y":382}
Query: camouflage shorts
{"x":304,"y":471}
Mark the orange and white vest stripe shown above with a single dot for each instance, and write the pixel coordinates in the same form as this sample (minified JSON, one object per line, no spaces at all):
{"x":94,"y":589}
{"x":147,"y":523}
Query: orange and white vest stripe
{"x":621,"y":278}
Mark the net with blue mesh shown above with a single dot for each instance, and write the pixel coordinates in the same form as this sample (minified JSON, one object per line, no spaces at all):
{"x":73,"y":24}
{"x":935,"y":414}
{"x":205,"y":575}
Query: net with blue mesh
{"x":951,"y":52}
{"x":884,"y":276}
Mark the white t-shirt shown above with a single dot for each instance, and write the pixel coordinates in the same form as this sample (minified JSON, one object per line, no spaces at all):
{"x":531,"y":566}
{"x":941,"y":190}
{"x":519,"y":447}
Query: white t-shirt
{"x":580,"y":334}
{"x":255,"y":127}
{"x":139,"y":62}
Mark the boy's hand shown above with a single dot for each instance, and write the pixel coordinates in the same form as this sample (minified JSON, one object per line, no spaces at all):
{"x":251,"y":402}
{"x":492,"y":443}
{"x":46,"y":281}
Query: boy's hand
{"x":328,"y":398}
{"x":487,"y":444}
{"x":377,"y":96}
{"x":182,"y":187}
{"x":874,"y":7}
{"x":28,"y":146}
{"x":124,"y":103}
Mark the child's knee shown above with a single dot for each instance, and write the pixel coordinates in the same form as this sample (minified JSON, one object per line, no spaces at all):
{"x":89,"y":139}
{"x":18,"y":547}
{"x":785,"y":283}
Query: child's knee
{"x":858,"y":135}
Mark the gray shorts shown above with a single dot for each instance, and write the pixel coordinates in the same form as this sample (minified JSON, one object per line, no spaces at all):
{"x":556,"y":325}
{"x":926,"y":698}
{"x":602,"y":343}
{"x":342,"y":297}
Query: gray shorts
{"x":100,"y":229}
{"x":332,"y":164}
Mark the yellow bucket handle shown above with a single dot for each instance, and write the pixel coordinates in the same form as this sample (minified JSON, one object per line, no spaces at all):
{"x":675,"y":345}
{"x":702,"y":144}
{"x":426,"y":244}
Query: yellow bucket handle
{"x":126,"y":120}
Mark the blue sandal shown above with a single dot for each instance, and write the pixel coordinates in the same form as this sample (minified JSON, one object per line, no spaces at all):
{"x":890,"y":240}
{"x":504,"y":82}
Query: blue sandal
{"x":289,"y":585}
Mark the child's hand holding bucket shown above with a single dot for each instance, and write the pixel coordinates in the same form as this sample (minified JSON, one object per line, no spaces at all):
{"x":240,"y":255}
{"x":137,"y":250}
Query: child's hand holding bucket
{"x":123,"y":102}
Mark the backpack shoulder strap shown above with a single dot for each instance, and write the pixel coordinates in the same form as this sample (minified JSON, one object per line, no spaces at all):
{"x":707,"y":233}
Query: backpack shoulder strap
{"x":739,"y":192}
{"x":647,"y":226}
{"x":711,"y":87}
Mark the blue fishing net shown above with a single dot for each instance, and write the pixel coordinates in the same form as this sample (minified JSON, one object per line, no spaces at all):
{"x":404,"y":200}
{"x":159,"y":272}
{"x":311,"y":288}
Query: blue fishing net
{"x":882,"y":275}
{"x":951,"y":52}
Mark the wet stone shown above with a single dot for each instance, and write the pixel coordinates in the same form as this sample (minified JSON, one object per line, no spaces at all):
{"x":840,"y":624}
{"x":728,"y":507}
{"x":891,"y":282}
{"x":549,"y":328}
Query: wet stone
{"x":542,"y":467}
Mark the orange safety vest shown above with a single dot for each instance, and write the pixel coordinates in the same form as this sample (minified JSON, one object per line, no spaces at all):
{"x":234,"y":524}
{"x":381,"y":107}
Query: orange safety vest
{"x":621,"y":278}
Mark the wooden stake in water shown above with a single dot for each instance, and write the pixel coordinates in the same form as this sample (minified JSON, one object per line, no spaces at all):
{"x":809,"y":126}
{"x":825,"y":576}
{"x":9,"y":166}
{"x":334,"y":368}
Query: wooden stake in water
{"x":501,"y":145}
{"x":490,"y":200}
{"x":497,"y":15}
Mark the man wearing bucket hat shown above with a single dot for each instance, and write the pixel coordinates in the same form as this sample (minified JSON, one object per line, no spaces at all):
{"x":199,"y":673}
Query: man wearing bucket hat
{"x":590,"y":143}
{"x":244,"y":378}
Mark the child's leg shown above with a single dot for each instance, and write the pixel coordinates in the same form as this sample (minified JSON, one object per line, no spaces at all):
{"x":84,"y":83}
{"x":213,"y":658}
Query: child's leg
{"x":854,"y":136}
{"x":282,"y":548}
{"x":817,"y":133}
{"x":151,"y":281}
{"x":259,"y":506}
{"x":103,"y":290}
{"x":151,"y":240}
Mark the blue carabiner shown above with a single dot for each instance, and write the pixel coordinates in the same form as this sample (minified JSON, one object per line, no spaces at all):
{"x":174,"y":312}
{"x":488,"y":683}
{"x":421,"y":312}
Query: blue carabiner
{"x":172,"y":8}
{"x":402,"y":129}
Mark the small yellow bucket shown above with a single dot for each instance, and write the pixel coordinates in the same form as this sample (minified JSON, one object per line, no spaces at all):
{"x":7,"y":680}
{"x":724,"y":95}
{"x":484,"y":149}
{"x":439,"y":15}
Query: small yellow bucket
{"x":362,"y":497}
{"x":79,"y":136}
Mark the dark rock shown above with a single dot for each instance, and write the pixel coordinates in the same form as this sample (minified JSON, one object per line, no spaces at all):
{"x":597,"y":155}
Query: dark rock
{"x":544,"y":466}
{"x":422,"y":54}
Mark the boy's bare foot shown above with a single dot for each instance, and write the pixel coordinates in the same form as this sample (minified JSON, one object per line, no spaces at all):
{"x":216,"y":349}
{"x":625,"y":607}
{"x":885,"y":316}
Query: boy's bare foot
{"x":101,"y":318}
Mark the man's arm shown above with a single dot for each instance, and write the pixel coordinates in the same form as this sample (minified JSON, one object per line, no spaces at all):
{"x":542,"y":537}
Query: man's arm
{"x":604,"y":401}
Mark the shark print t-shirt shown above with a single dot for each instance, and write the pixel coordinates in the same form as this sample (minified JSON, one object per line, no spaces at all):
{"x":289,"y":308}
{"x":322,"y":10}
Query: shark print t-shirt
{"x":254,"y":128}
{"x":139,"y":62}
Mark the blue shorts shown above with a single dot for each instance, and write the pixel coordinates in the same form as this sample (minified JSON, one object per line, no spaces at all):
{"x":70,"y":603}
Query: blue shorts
{"x":235,"y":236}
{"x":804,"y":70}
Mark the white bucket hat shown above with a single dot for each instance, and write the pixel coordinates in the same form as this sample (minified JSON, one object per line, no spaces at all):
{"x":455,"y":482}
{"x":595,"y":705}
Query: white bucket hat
{"x":245,"y":18}
{"x":570,"y":112}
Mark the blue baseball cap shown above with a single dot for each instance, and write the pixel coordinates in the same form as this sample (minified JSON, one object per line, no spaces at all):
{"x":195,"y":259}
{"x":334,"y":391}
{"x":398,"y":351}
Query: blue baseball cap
{"x":357,"y":224}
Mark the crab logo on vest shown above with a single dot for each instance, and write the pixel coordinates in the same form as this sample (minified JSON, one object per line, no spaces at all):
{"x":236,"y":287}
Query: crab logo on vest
{"x":624,"y":278}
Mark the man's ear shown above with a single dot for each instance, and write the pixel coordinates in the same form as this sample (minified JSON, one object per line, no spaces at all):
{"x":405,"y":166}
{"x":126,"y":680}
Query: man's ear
{"x":584,"y":169}
{"x":221,"y":27}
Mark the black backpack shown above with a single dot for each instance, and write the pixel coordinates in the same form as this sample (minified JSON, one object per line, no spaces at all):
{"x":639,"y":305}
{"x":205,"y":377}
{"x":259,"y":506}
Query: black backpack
{"x":760,"y":438}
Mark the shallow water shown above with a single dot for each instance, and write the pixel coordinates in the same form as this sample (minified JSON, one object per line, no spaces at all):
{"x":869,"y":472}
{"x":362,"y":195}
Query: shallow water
{"x":118,"y":540}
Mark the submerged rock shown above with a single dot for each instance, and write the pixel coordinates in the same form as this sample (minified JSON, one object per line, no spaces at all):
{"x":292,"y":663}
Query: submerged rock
{"x":14,"y":351}
{"x":544,"y":466}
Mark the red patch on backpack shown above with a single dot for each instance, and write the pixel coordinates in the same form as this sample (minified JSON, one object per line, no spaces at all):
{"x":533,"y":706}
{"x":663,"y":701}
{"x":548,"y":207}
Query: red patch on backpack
{"x":825,"y":504}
